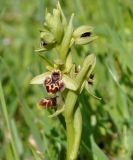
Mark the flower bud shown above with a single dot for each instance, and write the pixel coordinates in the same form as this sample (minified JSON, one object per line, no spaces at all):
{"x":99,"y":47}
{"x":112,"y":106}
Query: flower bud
{"x":67,"y":39}
{"x":58,"y":27}
{"x":49,"y":20}
{"x":83,"y":35}
{"x":63,"y":18}
{"x":54,"y":24}
{"x":47,"y":41}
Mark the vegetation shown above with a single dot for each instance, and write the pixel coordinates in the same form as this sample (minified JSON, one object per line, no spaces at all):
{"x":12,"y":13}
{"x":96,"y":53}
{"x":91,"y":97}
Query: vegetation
{"x":26,"y":131}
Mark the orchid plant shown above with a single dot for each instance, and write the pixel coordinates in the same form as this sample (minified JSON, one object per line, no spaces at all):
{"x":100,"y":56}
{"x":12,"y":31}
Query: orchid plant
{"x":64,"y":81}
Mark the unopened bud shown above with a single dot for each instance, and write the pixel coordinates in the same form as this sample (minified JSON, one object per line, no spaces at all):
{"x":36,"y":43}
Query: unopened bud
{"x":83,"y":35}
{"x":58,"y":26}
{"x":47,"y":40}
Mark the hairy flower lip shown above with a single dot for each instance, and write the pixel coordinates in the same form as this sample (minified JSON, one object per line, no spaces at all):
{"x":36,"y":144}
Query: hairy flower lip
{"x":54,"y":83}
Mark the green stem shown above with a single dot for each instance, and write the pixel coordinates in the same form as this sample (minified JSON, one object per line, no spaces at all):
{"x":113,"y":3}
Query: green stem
{"x":77,"y":133}
{"x":71,"y":98}
{"x":69,"y":123}
{"x":71,"y":118}
{"x":70,"y":138}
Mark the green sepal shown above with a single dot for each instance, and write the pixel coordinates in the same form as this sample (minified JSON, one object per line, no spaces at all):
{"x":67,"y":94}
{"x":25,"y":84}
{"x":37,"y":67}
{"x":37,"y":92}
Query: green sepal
{"x":69,"y":83}
{"x":87,"y":68}
{"x":84,"y":40}
{"x":40,"y":78}
{"x":81,"y":30}
{"x":83,"y":35}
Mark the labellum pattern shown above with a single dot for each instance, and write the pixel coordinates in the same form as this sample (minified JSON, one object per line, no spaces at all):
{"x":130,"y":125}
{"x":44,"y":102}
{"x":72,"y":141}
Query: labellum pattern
{"x":47,"y":103}
{"x":54,"y":83}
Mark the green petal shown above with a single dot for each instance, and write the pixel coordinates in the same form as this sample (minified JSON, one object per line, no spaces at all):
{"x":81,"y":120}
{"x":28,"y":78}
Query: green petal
{"x":40,"y":78}
{"x":69,"y":82}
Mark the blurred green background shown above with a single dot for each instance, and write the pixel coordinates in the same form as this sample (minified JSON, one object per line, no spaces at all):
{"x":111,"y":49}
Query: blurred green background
{"x":26,"y":133}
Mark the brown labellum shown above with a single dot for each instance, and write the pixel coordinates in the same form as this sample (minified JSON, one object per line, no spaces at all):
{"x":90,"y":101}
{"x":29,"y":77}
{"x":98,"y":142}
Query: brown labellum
{"x":54,"y":84}
{"x":47,"y":102}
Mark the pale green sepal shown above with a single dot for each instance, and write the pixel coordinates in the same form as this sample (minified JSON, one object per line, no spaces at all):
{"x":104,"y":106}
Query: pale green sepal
{"x":85,"y":40}
{"x":40,"y":78}
{"x":93,"y":63}
{"x":83,"y":35}
{"x":81,"y":30}
{"x":69,"y":82}
{"x":87,"y":68}
{"x":90,"y":60}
